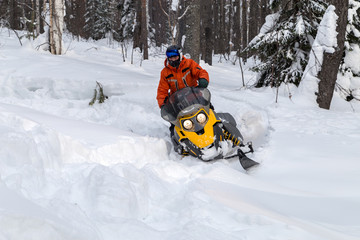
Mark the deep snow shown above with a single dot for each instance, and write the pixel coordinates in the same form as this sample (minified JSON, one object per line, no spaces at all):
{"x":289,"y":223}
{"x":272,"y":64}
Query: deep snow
{"x":73,"y":171}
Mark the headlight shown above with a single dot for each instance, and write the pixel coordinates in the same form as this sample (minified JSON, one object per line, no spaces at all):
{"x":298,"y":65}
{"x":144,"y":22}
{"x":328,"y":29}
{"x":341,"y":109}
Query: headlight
{"x":201,"y":118}
{"x":188,"y":124}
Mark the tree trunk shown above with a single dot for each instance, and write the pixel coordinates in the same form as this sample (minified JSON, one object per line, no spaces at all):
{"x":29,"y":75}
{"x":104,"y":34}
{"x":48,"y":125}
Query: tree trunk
{"x":207,"y":13}
{"x":222,"y":35}
{"x":229,"y":26}
{"x":244,"y":25}
{"x":137,"y":29}
{"x":192,"y":42}
{"x":331,"y":61}
{"x":263,"y":13}
{"x":141,"y":30}
{"x":14,"y":15}
{"x":158,"y":22}
{"x":144,"y":29}
{"x":236,"y":27}
{"x":253,"y":19}
{"x":38,"y":17}
{"x":75,"y":18}
{"x":216,"y":26}
{"x":56,"y":25}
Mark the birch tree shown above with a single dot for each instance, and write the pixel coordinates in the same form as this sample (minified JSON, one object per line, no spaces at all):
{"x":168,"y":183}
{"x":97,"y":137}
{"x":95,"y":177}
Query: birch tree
{"x":56,"y":25}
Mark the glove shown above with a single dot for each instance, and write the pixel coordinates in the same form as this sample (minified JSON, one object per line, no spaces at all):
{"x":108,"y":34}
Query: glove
{"x":202,"y":83}
{"x":165,"y":100}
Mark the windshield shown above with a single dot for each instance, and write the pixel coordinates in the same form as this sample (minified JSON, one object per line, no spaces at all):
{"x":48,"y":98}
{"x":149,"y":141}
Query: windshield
{"x":185,"y":101}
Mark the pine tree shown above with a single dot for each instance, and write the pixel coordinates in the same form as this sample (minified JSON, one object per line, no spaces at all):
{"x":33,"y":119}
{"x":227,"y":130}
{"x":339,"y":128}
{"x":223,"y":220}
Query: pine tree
{"x":89,"y":17}
{"x":353,"y":28}
{"x":284,"y":42}
{"x":97,"y":19}
{"x":348,"y":86}
{"x":127,"y":15}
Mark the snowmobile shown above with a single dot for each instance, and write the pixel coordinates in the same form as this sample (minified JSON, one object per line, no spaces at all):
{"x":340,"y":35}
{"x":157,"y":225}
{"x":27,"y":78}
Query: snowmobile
{"x":201,"y":132}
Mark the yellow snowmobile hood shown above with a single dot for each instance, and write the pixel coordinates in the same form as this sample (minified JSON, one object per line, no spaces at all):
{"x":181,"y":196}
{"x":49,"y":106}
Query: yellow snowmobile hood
{"x":202,"y":138}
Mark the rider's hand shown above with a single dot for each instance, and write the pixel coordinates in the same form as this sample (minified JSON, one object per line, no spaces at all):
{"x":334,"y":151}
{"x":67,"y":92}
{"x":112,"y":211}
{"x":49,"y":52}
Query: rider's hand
{"x":202,"y":83}
{"x":165,"y":100}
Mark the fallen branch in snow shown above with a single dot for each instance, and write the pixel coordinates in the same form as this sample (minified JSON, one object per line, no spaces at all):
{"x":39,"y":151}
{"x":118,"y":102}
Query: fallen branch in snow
{"x":91,"y":48}
{"x":17,"y":35}
{"x":98,"y":89}
{"x":38,"y":46}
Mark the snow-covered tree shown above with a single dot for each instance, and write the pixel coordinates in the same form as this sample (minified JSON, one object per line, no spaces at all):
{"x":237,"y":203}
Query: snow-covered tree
{"x":332,"y":59}
{"x":285,"y":40}
{"x":98,"y":21}
{"x":127,"y":15}
{"x":348,"y":84}
{"x":89,"y":16}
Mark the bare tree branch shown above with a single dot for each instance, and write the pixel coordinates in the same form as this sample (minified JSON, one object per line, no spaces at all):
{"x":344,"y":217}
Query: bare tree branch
{"x":17,"y":35}
{"x":187,"y":8}
{"x":163,"y":9}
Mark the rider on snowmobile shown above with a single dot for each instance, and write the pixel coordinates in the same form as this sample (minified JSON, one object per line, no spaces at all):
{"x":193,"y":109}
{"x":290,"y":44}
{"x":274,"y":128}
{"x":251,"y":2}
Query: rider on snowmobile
{"x":179,"y":72}
{"x":196,"y":129}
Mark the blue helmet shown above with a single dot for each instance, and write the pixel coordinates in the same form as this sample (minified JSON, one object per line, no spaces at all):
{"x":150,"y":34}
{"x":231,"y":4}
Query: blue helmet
{"x":172,"y":51}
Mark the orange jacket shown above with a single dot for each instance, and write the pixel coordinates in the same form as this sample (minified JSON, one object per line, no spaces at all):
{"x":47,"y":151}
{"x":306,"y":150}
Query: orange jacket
{"x":173,"y":79}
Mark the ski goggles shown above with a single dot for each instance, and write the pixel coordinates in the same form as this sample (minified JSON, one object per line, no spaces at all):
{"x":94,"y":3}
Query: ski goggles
{"x":172,"y":53}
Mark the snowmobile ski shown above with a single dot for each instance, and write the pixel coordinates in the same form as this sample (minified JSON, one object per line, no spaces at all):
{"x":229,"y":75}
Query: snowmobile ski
{"x":245,"y":162}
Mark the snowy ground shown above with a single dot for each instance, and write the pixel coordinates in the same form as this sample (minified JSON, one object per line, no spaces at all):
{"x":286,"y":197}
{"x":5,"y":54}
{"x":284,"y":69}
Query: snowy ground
{"x":73,"y":171}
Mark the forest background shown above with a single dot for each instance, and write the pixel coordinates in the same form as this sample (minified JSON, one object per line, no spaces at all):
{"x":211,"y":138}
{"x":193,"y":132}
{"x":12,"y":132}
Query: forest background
{"x":280,"y":33}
